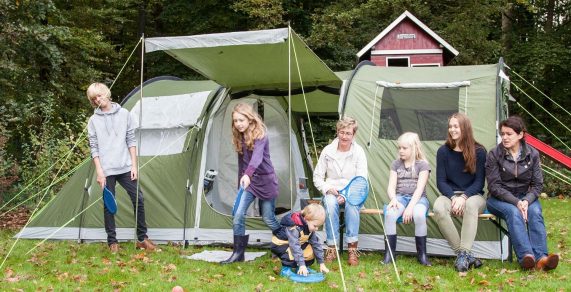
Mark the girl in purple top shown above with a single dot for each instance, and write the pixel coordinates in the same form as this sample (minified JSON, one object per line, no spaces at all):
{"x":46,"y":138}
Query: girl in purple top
{"x":255,"y":174}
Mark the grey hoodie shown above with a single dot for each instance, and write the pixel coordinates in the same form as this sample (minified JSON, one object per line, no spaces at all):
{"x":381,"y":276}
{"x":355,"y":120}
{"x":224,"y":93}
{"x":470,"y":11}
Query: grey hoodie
{"x":111,"y":134}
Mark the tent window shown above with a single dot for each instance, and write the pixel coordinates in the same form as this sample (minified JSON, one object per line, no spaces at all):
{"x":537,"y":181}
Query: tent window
{"x":390,"y":126}
{"x":423,"y":111}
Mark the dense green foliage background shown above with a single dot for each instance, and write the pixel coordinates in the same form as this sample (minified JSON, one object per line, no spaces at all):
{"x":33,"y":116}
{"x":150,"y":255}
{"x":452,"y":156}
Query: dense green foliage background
{"x":51,"y":50}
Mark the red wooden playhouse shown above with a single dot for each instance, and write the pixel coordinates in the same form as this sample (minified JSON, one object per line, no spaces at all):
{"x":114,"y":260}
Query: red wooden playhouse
{"x":407,"y":42}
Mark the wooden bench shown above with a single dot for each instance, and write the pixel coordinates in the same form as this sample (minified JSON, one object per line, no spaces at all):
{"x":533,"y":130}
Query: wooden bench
{"x":484,"y":216}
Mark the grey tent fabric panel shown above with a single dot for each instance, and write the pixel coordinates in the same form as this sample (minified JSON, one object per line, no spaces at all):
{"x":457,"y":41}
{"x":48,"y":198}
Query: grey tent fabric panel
{"x":270,"y":36}
{"x":174,"y":111}
{"x":423,"y":85}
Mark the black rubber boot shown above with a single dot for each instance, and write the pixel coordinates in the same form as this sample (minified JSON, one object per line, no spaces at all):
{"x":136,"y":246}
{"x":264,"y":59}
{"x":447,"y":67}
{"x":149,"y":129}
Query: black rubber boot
{"x":240,"y":243}
{"x":390,"y":241}
{"x":421,"y":251}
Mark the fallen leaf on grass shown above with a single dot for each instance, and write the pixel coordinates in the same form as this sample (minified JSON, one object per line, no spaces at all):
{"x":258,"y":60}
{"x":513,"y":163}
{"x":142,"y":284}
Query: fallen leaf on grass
{"x":360,"y":289}
{"x":427,"y":286}
{"x":259,"y":287}
{"x":462,"y":274}
{"x":482,"y":275}
{"x":484,"y":283}
{"x":80,"y":278}
{"x":333,"y":286}
{"x":169,"y":268}
{"x":13,"y":279}
{"x":272,"y":278}
{"x":62,"y":276}
{"x":362,"y":275}
{"x":218,"y":276}
{"x":472,"y":281}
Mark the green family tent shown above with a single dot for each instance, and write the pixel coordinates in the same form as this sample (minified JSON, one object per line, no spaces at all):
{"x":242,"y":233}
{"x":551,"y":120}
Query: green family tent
{"x":188,"y":165}
{"x":389,"y":101}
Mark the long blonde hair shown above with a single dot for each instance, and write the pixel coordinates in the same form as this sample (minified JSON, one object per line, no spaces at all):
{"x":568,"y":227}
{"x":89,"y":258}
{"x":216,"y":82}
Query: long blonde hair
{"x":255,"y":130}
{"x":411,"y":139}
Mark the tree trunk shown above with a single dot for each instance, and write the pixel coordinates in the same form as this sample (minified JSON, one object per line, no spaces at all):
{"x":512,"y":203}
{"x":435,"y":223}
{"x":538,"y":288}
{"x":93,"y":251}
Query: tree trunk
{"x":549,"y":15}
{"x":507,"y":17}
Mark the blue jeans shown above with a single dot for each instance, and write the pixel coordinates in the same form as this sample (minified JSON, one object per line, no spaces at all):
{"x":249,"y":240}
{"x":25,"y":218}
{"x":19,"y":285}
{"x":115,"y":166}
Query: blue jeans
{"x":531,"y":240}
{"x":394,"y":216}
{"x":352,"y":219}
{"x":268,"y":213}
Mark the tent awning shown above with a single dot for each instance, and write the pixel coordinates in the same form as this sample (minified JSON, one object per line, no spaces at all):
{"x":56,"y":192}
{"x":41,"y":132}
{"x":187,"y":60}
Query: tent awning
{"x":248,"y":60}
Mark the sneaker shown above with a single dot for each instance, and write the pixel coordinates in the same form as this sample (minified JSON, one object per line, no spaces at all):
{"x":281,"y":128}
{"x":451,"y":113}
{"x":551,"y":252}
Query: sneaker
{"x":462,"y":264}
{"x":114,"y":247}
{"x":146,"y":244}
{"x":473,"y":262}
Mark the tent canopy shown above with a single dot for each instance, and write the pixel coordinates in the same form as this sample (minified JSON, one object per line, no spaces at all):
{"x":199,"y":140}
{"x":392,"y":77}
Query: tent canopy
{"x":249,"y":60}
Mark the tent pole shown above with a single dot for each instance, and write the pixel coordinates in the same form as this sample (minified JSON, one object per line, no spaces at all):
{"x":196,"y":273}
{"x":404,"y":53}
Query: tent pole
{"x":139,"y":138}
{"x":291,"y":185}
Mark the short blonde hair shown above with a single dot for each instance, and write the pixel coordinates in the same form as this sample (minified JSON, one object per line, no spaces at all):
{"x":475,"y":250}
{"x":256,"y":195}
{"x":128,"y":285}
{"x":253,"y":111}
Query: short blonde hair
{"x":97,"y":88}
{"x":346,"y":122}
{"x":313,"y":212}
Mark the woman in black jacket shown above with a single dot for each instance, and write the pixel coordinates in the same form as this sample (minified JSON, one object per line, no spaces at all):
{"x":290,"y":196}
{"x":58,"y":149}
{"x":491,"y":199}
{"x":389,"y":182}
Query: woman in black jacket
{"x":515,"y":181}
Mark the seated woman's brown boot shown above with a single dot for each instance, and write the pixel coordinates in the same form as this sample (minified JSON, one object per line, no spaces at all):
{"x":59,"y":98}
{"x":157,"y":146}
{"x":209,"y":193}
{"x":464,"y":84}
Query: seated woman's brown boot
{"x":353,"y":254}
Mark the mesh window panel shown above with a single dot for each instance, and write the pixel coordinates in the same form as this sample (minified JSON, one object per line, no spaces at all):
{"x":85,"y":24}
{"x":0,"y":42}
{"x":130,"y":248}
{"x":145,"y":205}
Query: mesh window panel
{"x":423,"y":111}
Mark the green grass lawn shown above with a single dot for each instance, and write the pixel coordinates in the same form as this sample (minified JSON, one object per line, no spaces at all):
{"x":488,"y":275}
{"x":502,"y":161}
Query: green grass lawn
{"x":70,"y":266}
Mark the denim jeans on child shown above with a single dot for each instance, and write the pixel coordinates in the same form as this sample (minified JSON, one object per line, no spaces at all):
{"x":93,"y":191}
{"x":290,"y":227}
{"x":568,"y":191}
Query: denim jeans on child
{"x":530,"y":239}
{"x":352,"y":218}
{"x":268,"y":213}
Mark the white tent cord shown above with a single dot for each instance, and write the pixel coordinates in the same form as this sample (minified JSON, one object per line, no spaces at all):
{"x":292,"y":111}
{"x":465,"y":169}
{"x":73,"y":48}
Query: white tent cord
{"x":80,"y":139}
{"x":387,"y":246}
{"x":315,"y":150}
{"x":126,"y":62}
{"x":540,"y":106}
{"x":172,"y":143}
{"x":550,"y":99}
{"x":64,"y":225}
{"x":539,"y":122}
{"x":36,"y":208}
{"x":306,"y":107}
{"x":49,"y":186}
{"x":557,"y":174}
{"x":336,"y":250}
{"x":373,"y":116}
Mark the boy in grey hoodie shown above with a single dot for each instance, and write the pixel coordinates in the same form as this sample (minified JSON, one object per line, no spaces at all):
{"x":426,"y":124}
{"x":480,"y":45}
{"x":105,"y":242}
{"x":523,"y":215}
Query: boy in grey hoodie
{"x":114,"y":152}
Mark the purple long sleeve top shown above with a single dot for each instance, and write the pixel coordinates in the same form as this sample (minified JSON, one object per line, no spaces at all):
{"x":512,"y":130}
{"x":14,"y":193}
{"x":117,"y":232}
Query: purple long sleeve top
{"x":258,"y":166}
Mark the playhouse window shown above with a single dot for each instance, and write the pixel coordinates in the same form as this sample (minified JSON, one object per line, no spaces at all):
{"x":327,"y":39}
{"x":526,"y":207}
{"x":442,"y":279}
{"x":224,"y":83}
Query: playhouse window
{"x":423,"y":111}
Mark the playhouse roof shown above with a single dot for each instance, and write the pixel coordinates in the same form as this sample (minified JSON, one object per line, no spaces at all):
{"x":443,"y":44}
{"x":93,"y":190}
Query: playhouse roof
{"x":391,"y":26}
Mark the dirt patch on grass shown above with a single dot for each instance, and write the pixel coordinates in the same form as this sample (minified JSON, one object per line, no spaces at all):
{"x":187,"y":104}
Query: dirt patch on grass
{"x":15,"y":219}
